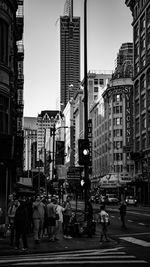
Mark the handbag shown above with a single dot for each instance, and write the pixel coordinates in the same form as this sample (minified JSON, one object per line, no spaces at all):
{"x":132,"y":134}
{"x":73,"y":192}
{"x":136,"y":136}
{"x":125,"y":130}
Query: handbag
{"x":57,"y":216}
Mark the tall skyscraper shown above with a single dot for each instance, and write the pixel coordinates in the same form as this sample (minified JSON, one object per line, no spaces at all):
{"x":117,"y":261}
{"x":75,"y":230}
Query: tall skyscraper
{"x":69,"y":54}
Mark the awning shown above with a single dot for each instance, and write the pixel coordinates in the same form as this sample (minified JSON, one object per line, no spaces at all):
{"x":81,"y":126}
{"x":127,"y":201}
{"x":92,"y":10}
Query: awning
{"x":109,"y":180}
{"x":25,"y":181}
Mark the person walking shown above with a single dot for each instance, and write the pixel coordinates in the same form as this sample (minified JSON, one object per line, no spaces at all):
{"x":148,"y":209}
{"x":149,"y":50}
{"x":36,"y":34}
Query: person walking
{"x":11,"y":215}
{"x":38,"y":218}
{"x":123,"y":210}
{"x":59,"y":221}
{"x":51,"y":219}
{"x":67,"y":217}
{"x":21,"y":224}
{"x":104,"y":221}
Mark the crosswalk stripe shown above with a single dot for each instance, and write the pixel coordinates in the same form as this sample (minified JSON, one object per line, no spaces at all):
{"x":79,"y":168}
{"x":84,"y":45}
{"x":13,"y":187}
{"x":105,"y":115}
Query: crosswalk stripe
{"x":136,"y":241}
{"x":97,"y":256}
{"x":70,"y":263}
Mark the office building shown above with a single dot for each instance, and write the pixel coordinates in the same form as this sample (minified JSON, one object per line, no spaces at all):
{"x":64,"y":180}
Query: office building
{"x":30,"y":143}
{"x":69,"y":55}
{"x":141,"y":96}
{"x":11,"y":96}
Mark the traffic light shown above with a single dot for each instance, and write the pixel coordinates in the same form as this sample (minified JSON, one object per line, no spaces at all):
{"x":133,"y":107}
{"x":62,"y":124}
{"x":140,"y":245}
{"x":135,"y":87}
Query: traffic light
{"x":60,"y":149}
{"x":83,"y":151}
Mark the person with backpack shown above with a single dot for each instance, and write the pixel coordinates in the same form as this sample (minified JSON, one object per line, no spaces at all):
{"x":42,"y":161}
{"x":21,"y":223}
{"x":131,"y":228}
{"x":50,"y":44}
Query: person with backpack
{"x":21,"y":225}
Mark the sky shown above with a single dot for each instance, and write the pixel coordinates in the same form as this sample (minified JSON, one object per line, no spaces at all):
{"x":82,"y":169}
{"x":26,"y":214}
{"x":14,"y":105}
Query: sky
{"x":108,"y":26}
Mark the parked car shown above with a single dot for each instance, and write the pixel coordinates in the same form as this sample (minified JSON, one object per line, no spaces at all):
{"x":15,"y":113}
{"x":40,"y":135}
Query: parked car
{"x":111,"y":199}
{"x":131,"y":200}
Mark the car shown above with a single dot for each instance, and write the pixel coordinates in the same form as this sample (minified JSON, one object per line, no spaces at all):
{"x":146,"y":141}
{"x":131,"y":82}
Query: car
{"x":131,"y":200}
{"x":111,"y":199}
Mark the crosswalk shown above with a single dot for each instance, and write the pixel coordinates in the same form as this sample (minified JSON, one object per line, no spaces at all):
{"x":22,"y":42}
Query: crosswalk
{"x":114,"y":256}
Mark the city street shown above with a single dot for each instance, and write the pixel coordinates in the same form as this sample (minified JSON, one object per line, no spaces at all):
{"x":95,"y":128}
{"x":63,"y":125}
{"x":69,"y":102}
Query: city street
{"x":130,"y":246}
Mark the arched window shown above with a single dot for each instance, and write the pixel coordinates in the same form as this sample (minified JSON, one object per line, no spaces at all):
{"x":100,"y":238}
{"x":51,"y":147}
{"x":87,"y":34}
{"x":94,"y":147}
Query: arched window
{"x":3,"y":42}
{"x":3,"y":115}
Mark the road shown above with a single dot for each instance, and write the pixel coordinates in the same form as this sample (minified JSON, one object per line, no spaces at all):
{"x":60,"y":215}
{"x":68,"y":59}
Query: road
{"x":136,"y":238}
{"x":104,"y":257}
{"x":131,"y":247}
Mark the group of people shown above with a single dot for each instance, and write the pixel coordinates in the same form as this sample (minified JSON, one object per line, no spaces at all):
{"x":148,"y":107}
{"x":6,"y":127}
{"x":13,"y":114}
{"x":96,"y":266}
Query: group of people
{"x":39,"y":216}
{"x":47,"y":217}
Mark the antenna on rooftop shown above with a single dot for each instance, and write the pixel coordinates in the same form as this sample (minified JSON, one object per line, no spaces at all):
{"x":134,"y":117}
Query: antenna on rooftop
{"x":68,"y":9}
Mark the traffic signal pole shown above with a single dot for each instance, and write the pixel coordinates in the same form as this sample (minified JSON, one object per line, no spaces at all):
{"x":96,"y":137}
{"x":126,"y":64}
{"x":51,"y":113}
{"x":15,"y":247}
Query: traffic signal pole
{"x":86,"y":168}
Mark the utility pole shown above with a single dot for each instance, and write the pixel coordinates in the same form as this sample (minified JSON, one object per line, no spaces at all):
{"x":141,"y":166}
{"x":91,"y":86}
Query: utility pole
{"x":86,"y":168}
{"x":53,"y":160}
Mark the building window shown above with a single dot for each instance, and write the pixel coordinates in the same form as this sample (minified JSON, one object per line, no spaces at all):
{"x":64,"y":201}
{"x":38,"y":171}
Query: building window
{"x":148,"y":16}
{"x":96,"y":89}
{"x":137,"y":125}
{"x":143,"y":122}
{"x":136,"y":32}
{"x":143,"y":141}
{"x":143,"y":83}
{"x":117,"y":156}
{"x":101,"y":81}
{"x":142,"y":61}
{"x":96,"y":81}
{"x":142,"y":42}
{"x":3,"y":42}
{"x":117,"y":98}
{"x":117,"y":132}
{"x":148,"y":138}
{"x":137,"y":106}
{"x":137,"y":144}
{"x":136,"y":88}
{"x":136,"y":51}
{"x":143,"y":102}
{"x":142,"y":23}
{"x":136,"y":68}
{"x":148,"y":119}
{"x":117,"y":144}
{"x":117,"y":109}
{"x":3,"y":115}
{"x":91,"y":83}
{"x":148,"y":79}
{"x":117,"y":121}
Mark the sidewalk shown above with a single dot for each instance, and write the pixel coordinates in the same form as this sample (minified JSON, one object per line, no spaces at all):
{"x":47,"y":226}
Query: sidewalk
{"x":76,"y":243}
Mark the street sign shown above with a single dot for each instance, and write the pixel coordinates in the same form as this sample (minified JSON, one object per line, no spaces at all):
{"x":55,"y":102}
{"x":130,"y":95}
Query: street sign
{"x":74,"y":172}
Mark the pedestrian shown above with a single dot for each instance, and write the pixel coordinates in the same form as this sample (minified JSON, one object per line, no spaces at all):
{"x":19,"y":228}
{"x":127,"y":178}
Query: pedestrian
{"x":51,"y":219}
{"x":38,"y":218}
{"x":104,"y":222}
{"x":11,"y":215}
{"x":123,"y":210}
{"x":67,"y":218}
{"x":21,"y":224}
{"x":89,"y":218}
{"x":59,"y":221}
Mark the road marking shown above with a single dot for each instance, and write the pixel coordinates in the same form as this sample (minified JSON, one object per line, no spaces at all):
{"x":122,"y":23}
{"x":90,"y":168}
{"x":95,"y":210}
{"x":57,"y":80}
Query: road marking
{"x":71,"y":263}
{"x":134,"y":234}
{"x":136,"y":241}
{"x":130,"y":221}
{"x":141,"y":224}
